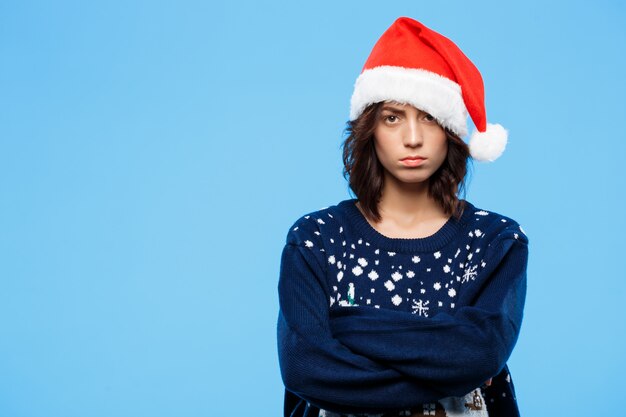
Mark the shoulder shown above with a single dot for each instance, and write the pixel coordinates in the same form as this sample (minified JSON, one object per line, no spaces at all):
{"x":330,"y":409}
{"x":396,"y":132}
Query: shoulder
{"x":494,"y":226}
{"x":312,"y":228}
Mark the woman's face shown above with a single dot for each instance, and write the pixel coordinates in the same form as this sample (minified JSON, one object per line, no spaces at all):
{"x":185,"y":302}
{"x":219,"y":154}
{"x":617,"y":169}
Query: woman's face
{"x":404,"y":131}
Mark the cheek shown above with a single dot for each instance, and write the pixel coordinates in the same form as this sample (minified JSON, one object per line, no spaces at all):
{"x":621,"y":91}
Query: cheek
{"x":381,"y":142}
{"x":442,"y":142}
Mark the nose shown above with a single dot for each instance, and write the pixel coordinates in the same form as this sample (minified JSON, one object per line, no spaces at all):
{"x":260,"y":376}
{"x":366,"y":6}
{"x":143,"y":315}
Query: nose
{"x":413,"y":135}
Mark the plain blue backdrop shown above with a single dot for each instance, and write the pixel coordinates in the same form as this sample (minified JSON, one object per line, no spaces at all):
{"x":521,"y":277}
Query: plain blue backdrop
{"x":154,"y":154}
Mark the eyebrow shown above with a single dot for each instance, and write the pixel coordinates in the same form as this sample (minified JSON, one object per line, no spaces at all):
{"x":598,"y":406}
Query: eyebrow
{"x":393,"y":110}
{"x":399,"y":111}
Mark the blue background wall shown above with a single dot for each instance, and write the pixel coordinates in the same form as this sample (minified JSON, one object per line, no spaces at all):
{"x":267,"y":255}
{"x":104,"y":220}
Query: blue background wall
{"x":154,"y":154}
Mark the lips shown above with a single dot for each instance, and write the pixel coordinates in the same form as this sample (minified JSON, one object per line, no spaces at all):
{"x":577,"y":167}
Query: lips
{"x":412,"y":158}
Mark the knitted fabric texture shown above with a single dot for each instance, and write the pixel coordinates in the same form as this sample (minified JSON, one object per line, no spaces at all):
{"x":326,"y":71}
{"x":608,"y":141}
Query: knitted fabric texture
{"x":377,"y":326}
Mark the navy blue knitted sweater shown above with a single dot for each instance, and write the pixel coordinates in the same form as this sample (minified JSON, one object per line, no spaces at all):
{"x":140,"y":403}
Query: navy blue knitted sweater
{"x":372,"y":324}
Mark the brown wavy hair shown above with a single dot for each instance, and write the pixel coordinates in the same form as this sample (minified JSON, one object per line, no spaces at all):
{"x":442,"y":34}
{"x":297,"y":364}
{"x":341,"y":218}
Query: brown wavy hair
{"x":365,"y":173}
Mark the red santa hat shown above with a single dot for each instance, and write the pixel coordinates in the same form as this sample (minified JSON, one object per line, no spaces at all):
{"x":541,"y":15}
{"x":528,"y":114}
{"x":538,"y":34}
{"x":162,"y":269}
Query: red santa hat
{"x":413,"y":64}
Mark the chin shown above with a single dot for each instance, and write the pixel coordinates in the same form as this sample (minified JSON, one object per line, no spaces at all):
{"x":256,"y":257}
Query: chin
{"x":412,"y":179}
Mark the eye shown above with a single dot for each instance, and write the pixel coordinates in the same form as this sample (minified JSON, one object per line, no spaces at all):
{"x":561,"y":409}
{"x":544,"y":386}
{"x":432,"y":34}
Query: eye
{"x":391,"y":118}
{"x":429,"y":117}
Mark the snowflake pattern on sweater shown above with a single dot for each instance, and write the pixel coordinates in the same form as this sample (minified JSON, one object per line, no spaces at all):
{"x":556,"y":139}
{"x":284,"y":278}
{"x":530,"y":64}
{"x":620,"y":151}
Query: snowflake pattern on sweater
{"x":423,"y":276}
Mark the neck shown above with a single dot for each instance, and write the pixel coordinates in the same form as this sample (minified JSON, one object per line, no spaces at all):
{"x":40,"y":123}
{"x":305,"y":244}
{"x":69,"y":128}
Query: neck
{"x":409,"y":202}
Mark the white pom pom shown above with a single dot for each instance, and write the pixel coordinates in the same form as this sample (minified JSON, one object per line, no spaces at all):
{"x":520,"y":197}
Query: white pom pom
{"x":490,"y":144}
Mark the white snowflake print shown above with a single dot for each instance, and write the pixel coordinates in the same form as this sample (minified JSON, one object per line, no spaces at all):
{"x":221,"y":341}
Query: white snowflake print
{"x":451,"y":292}
{"x":320,"y":221}
{"x":446,"y":268}
{"x":478,"y":232}
{"x":457,"y":252}
{"x":415,"y":259}
{"x":352,"y":246}
{"x":437,"y":255}
{"x":440,"y":303}
{"x":331,"y":259}
{"x":482,"y":263}
{"x":410,"y":274}
{"x":357,"y":270}
{"x":332,"y":301}
{"x":420,"y":307}
{"x":515,"y":235}
{"x":376,"y":262}
{"x":332,"y":240}
{"x":469,"y":256}
{"x":437,"y":286}
{"x":397,"y":276}
{"x":470,"y":273}
{"x":339,"y":276}
{"x":422,"y":291}
{"x":377,"y":251}
{"x":373,"y":275}
{"x":429,"y":409}
{"x":340,"y":229}
{"x":308,"y":243}
{"x":391,"y":253}
{"x":482,"y":213}
{"x":360,"y":241}
{"x":396,"y":299}
{"x":362,"y":262}
{"x":339,"y":264}
{"x":389,"y":285}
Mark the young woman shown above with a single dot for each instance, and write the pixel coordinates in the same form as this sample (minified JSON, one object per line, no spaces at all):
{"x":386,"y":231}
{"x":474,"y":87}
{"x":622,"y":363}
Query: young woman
{"x":407,"y":300}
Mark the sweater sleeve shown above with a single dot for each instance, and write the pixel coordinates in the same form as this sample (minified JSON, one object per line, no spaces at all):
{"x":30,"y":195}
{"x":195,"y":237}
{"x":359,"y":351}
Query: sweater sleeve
{"x":316,"y":366}
{"x":453,"y":353}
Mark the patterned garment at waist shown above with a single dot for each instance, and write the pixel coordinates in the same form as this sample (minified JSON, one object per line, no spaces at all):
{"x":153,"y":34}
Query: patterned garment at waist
{"x":472,"y":404}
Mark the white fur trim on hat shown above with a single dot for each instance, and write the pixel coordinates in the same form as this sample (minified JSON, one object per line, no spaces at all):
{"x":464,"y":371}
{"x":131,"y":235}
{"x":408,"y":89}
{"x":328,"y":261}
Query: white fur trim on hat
{"x":430,"y":92}
{"x":490,"y":144}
